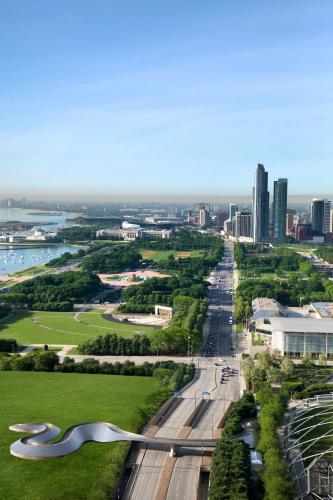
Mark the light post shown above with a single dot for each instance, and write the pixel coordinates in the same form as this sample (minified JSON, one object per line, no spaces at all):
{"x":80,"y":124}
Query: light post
{"x":188,"y":346}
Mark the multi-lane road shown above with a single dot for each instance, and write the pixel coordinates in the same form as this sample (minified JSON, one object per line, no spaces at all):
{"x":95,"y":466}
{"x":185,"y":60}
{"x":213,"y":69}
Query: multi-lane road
{"x":157,"y":475}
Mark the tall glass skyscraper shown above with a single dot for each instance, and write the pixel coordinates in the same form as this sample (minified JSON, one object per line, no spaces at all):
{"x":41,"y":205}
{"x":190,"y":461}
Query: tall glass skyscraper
{"x":280,"y":209}
{"x":320,"y":215}
{"x":260,"y":205}
{"x":233,"y":208}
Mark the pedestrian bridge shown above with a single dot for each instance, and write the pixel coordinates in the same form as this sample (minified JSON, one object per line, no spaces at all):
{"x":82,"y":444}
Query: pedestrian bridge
{"x":37,"y":446}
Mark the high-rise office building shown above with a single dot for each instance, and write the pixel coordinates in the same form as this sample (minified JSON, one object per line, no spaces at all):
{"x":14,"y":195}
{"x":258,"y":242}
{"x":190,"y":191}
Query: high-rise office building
{"x":204,"y":217}
{"x":320,"y":215}
{"x":280,"y":209}
{"x":232,"y":210}
{"x":331,"y":221}
{"x":290,"y":223}
{"x":243,"y":224}
{"x":220,"y":217}
{"x":327,"y":216}
{"x":260,"y":205}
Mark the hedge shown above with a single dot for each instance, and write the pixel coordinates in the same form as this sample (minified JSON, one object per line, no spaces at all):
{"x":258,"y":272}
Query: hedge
{"x":277,"y":480}
{"x":231,"y":465}
{"x":8,"y":345}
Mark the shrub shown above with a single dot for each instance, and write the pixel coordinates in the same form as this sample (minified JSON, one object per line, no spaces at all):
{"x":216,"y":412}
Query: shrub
{"x":8,"y":345}
{"x":277,"y":481}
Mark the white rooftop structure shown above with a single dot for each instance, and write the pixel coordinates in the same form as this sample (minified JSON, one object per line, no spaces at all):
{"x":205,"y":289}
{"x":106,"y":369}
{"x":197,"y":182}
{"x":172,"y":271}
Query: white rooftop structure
{"x":295,"y":330}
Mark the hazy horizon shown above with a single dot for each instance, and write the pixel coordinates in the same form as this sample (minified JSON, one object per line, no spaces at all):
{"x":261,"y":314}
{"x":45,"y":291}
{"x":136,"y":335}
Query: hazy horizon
{"x":119,"y":198}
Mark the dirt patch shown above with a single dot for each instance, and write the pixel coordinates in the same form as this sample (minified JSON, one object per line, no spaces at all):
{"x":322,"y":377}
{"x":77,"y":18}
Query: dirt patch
{"x":183,"y":255}
{"x":148,"y":254}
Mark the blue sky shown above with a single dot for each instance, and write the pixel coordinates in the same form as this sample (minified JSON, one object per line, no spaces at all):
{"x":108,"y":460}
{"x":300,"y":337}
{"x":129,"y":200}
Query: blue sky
{"x":164,"y":97}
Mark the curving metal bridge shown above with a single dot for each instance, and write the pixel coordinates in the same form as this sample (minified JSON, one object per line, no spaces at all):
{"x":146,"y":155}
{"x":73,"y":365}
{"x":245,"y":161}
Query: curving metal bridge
{"x":37,"y":446}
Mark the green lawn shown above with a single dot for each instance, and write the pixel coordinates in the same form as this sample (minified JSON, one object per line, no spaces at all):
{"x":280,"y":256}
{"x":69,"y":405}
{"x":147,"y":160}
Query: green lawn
{"x":31,"y":271}
{"x":64,"y":400}
{"x":158,"y":255}
{"x":62,"y":328}
{"x":6,"y":284}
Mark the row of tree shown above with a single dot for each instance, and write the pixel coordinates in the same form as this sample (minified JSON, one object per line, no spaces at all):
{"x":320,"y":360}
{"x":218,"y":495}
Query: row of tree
{"x":230,"y":477}
{"x":67,"y":257}
{"x":181,"y":241}
{"x":277,"y":480}
{"x":114,"y":345}
{"x":171,"y":375}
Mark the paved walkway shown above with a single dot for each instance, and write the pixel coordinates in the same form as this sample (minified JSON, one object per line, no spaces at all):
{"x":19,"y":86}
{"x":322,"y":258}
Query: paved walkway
{"x":63,"y":349}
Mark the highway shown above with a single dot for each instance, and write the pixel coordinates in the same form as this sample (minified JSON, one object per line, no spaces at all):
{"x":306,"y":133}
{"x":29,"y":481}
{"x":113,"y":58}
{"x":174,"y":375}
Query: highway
{"x":157,"y":475}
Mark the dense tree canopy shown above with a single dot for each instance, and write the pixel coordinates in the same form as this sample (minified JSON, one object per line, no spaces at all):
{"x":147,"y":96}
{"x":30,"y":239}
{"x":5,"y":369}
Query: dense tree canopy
{"x":54,"y":292}
{"x":118,"y":259}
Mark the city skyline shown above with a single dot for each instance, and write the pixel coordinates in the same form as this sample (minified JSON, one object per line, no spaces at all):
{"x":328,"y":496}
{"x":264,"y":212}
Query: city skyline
{"x":104,"y":100}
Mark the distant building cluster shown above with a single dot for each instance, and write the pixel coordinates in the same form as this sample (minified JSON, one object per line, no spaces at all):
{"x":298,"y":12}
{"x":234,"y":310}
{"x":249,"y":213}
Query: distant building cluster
{"x":264,"y":223}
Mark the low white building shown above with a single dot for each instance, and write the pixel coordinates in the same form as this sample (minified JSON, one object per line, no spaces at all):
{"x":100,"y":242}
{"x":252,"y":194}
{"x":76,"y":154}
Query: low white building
{"x":297,"y":336}
{"x":132,"y":233}
{"x":295,"y":330}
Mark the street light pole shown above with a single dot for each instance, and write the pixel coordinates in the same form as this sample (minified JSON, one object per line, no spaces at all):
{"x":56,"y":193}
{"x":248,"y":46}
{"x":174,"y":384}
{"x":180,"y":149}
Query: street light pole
{"x":188,"y":346}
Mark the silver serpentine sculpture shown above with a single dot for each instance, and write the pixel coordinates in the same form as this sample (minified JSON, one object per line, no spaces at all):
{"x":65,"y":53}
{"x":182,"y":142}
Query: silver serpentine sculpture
{"x":36,"y":446}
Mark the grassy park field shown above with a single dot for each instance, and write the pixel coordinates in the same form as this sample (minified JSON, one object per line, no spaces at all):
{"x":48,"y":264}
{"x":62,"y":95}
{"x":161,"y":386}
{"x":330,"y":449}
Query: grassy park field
{"x":158,"y":255}
{"x":63,"y":328}
{"x":64,"y":400}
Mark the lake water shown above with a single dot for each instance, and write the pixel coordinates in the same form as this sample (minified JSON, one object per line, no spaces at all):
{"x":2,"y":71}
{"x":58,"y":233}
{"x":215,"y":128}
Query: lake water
{"x":16,"y":259}
{"x":20,"y":214}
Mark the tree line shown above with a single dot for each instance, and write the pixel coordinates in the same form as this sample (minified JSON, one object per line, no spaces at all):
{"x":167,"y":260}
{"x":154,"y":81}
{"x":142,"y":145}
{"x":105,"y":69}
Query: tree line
{"x":277,"y":480}
{"x":170,"y":374}
{"x":115,"y":345}
{"x":68,"y":257}
{"x":230,"y":477}
{"x":182,"y":240}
